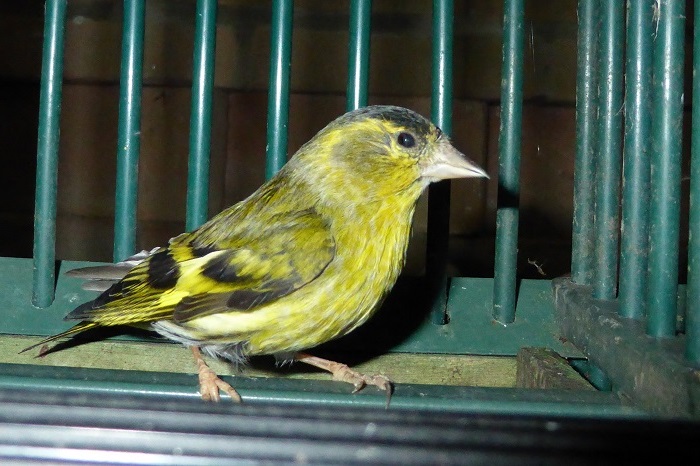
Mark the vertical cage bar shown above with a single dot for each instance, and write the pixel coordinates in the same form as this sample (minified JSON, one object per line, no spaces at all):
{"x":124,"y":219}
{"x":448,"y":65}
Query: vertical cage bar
{"x":439,"y":193}
{"x":665,"y":178}
{"x":509,"y":162}
{"x":200,"y":116}
{"x":583,"y":246}
{"x":593,"y":373}
{"x":692,"y":317}
{"x":635,"y":177}
{"x":129,"y":129}
{"x":278,"y":98}
{"x":598,"y":378}
{"x":607,"y":192}
{"x":359,"y":48}
{"x":47,"y":154}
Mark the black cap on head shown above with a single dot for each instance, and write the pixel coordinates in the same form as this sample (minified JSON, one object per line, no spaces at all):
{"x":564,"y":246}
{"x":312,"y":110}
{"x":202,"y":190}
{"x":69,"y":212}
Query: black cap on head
{"x":398,"y":115}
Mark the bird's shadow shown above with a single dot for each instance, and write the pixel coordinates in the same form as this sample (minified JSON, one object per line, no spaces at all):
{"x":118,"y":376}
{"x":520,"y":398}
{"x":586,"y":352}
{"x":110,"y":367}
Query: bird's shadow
{"x":404,"y":310}
{"x":98,"y":334}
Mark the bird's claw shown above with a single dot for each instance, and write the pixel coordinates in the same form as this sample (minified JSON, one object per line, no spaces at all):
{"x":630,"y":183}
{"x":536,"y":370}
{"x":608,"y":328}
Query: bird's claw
{"x":210,"y":384}
{"x":343,"y":373}
{"x":362,"y":380}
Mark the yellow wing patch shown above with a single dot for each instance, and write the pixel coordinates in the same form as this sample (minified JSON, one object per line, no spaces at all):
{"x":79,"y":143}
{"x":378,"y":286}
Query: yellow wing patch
{"x":241,"y":272}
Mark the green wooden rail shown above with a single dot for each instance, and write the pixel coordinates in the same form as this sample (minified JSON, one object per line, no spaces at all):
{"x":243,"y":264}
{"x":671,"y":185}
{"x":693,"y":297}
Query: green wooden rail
{"x":644,"y":237}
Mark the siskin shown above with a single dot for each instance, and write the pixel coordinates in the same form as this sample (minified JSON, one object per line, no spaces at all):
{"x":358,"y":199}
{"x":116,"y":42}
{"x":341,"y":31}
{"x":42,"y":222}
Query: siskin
{"x":307,"y":258}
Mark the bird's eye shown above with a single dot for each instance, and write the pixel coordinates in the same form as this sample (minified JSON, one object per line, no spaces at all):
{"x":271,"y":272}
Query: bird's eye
{"x":406,"y":140}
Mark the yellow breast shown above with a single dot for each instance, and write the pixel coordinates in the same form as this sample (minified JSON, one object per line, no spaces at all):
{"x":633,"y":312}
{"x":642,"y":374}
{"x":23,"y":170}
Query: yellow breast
{"x":370,"y":254}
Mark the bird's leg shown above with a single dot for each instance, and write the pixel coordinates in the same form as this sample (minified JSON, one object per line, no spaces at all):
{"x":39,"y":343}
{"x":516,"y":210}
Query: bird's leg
{"x":343,"y":373}
{"x":209,"y":382}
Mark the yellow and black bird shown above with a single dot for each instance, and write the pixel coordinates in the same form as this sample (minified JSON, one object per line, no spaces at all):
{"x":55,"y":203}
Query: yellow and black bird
{"x":306,"y":258}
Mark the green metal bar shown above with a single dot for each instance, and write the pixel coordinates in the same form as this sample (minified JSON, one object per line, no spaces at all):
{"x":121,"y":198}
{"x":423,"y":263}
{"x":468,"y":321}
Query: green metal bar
{"x":359,"y":47}
{"x":509,"y":162}
{"x":593,"y":373}
{"x":665,"y":178}
{"x":607,"y":192}
{"x":200,"y":116}
{"x":582,"y":247}
{"x":598,"y":378}
{"x":278,"y":98}
{"x":44,"y":276}
{"x":439,"y":194}
{"x":129,"y":129}
{"x":443,"y":38}
{"x":279,"y":391}
{"x":692,"y":313}
{"x":635,"y":177}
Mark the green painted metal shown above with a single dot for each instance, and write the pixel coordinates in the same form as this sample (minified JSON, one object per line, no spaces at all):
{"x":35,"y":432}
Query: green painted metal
{"x":583,"y":245}
{"x":592,"y":373}
{"x":607,"y":191}
{"x":443,"y":39}
{"x":47,"y":154}
{"x":504,"y":285}
{"x":19,"y":316}
{"x":692,"y":316}
{"x":278,"y":97}
{"x":439,"y":193}
{"x":359,"y":49}
{"x":599,"y":378}
{"x":666,"y":148}
{"x":402,"y":327}
{"x":165,"y":386}
{"x":129,"y":129}
{"x":472,"y":329}
{"x":200,"y":117}
{"x":634,"y":238}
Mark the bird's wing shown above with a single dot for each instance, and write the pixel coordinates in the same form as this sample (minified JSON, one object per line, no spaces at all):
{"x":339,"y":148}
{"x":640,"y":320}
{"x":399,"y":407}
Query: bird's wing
{"x":190,"y":279}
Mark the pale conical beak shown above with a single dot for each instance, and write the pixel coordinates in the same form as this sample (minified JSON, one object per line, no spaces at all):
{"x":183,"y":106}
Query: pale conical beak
{"x":448,"y":163}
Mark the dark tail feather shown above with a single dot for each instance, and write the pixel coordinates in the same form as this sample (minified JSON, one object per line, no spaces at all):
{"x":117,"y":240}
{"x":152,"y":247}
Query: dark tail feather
{"x":82,"y":326}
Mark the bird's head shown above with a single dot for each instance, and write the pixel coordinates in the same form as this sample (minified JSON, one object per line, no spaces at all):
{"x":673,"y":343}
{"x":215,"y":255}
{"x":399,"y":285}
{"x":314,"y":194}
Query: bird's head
{"x":380,"y":151}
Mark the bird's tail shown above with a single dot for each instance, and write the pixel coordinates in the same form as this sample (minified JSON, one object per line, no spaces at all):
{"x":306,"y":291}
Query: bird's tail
{"x":82,"y":326}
